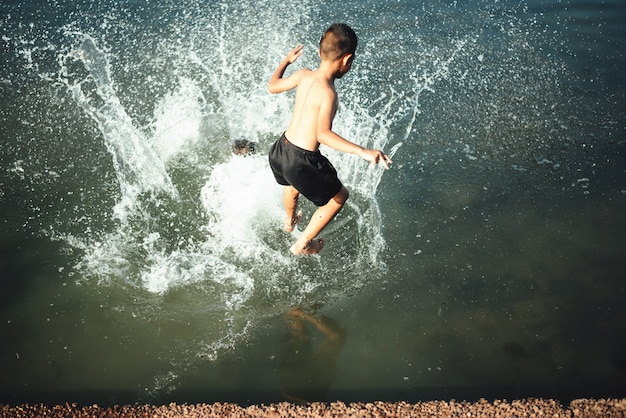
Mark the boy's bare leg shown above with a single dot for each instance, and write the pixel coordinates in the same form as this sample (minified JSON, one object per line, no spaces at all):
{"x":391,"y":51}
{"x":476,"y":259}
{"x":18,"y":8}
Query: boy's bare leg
{"x":308,"y":243}
{"x":290,"y":201}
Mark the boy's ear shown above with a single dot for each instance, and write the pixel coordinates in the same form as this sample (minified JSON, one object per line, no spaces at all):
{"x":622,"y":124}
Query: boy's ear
{"x":347,"y":59}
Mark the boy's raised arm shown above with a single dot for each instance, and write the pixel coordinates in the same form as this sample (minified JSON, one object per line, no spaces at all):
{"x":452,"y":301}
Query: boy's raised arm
{"x":277,"y":83}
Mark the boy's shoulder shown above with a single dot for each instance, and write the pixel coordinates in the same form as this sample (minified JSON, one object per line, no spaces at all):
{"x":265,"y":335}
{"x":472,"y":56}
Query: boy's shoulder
{"x":299,"y":76}
{"x":315,"y":87}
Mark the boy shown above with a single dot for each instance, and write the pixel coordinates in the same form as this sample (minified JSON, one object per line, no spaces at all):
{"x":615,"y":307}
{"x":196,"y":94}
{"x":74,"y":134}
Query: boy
{"x":295,"y":159}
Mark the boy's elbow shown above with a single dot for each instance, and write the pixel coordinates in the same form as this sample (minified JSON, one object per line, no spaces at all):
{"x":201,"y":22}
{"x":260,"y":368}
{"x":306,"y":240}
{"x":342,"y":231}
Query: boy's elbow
{"x":322,"y":137}
{"x":328,"y":138}
{"x":272,"y":89}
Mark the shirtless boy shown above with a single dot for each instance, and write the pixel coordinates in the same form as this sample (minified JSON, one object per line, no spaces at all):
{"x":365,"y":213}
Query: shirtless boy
{"x":295,"y":158}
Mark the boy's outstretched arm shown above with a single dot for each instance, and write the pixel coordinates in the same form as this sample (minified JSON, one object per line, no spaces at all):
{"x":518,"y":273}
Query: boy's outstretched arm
{"x":277,"y":83}
{"x":331,"y":139}
{"x":326,"y":136}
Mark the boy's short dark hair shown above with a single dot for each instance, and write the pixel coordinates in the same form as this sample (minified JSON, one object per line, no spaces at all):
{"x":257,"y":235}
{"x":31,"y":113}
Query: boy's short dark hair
{"x":338,"y":40}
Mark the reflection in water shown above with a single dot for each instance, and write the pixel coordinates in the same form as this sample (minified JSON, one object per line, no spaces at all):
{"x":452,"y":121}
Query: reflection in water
{"x":309,"y":356}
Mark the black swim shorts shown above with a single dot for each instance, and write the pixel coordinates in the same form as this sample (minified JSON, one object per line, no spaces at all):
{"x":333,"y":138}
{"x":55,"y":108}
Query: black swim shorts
{"x":308,"y":171}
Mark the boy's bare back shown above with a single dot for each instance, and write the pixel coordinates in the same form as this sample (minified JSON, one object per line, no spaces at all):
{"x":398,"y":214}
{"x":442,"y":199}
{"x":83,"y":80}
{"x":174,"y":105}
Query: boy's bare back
{"x":316,"y":103}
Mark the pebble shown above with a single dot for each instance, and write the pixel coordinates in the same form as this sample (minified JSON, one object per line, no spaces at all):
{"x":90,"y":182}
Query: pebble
{"x":525,"y":408}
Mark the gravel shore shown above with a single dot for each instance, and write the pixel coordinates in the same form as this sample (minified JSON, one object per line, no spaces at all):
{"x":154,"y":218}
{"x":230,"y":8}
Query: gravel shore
{"x":608,"y":408}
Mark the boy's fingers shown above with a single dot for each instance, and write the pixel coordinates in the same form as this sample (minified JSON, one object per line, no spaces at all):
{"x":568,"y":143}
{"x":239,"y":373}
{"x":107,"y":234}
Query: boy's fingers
{"x":295,"y":53}
{"x":385,"y":160}
{"x":378,"y":157}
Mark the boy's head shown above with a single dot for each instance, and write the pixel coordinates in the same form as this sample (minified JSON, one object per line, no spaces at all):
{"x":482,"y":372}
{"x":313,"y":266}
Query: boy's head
{"x":338,"y":41}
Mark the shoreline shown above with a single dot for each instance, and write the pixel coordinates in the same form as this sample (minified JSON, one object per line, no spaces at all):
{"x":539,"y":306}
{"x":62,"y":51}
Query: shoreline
{"x":531,"y":407}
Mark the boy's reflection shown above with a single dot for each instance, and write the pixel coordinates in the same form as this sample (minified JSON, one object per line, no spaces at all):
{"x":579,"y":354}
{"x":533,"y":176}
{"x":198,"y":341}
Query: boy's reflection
{"x":308,"y":364}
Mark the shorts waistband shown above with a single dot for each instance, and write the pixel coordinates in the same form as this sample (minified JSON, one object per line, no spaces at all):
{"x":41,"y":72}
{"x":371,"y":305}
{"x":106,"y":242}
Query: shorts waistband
{"x":286,"y":142}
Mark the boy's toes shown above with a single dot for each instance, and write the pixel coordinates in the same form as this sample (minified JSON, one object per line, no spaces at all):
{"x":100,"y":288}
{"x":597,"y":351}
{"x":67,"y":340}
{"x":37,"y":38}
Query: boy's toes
{"x":312,"y":247}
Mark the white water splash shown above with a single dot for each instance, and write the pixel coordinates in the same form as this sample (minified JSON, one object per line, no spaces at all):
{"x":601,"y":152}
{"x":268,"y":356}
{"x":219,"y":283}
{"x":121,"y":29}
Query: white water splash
{"x":178,"y":119}
{"x":137,"y":165}
{"x":241,"y":198}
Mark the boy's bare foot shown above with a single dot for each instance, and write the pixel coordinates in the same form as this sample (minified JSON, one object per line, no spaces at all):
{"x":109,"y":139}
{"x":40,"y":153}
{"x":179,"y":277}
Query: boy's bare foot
{"x":312,"y":247}
{"x":290,"y":224}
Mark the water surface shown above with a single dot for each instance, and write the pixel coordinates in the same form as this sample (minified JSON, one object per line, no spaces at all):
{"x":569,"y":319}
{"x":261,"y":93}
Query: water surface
{"x":142,"y":261}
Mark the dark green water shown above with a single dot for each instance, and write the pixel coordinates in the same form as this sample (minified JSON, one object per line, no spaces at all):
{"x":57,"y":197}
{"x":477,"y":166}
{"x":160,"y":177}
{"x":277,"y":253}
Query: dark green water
{"x":143,"y":262}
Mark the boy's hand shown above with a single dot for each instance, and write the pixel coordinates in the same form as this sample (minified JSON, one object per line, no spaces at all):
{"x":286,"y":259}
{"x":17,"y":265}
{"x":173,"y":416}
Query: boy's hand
{"x":375,"y":156}
{"x":295,"y":53}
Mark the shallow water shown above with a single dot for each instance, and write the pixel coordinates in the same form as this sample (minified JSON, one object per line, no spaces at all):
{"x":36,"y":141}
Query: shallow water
{"x":144,"y":262}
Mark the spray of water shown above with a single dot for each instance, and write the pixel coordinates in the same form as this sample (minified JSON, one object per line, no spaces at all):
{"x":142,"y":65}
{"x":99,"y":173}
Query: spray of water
{"x":237,"y":210}
{"x":137,"y":165}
